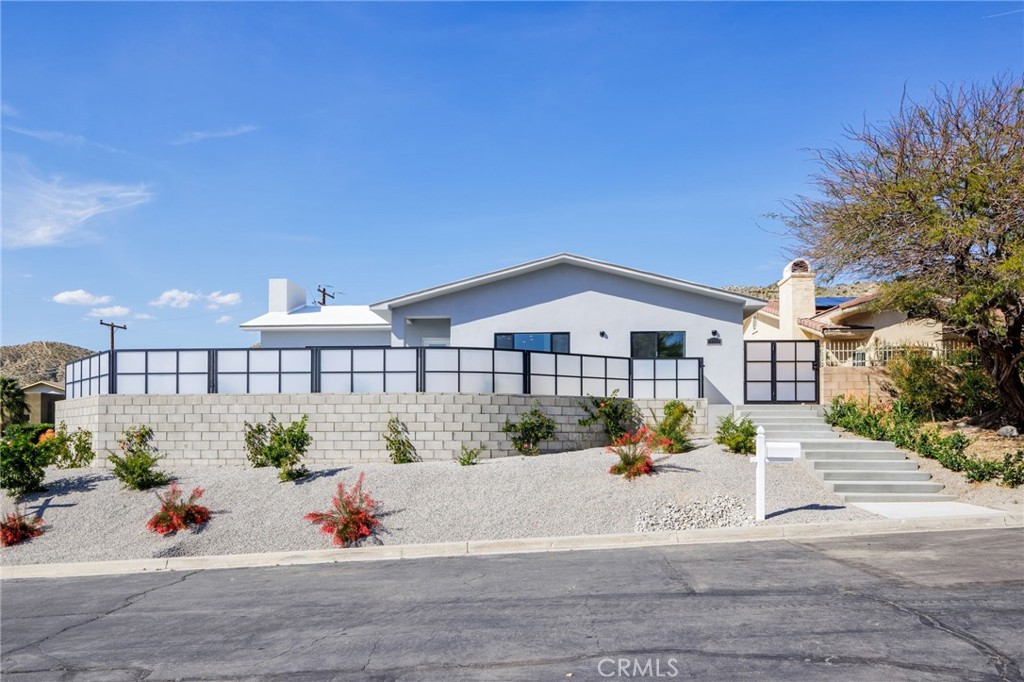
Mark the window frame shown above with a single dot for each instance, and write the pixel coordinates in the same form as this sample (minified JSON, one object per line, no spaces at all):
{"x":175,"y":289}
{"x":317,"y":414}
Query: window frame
{"x":551,"y":335}
{"x":657,"y":344}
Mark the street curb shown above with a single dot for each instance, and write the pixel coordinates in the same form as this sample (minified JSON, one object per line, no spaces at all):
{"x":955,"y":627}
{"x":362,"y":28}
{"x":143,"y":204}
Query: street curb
{"x":808,"y":531}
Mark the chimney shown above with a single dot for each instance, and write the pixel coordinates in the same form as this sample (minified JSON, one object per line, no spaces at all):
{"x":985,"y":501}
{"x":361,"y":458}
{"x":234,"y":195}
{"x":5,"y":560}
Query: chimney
{"x":796,"y":297}
{"x":285,"y":296}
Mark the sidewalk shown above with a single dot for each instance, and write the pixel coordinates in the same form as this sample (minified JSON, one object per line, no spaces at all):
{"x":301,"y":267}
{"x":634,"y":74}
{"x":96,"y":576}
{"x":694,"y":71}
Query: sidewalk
{"x":994,"y":519}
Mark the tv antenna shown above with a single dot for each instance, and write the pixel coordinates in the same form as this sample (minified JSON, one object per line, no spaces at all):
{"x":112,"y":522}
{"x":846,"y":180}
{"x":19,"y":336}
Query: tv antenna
{"x":322,"y":290}
{"x":113,"y":328}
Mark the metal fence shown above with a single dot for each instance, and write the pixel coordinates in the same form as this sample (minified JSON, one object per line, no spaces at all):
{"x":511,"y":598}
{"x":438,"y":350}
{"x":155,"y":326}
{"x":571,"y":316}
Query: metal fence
{"x":855,"y":354}
{"x":380,"y":370}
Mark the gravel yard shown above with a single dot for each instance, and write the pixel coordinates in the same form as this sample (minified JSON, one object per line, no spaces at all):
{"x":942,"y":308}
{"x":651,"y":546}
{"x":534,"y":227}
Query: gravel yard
{"x":90,"y":518}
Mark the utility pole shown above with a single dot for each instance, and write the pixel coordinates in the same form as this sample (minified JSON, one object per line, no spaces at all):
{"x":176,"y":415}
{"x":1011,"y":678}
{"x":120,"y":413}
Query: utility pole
{"x":322,"y":290}
{"x":113,"y":327}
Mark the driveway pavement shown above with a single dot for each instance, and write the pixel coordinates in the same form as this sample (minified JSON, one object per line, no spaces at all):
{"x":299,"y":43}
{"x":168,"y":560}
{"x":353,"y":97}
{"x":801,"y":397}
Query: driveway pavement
{"x":921,"y":606}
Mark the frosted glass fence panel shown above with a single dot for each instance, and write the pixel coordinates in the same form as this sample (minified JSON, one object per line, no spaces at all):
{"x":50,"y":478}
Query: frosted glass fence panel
{"x":88,"y":376}
{"x":384,"y":370}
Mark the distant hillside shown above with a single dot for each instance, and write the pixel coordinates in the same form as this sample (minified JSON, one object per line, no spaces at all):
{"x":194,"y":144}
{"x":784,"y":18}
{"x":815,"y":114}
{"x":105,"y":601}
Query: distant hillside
{"x":38,"y":361}
{"x":770,"y":291}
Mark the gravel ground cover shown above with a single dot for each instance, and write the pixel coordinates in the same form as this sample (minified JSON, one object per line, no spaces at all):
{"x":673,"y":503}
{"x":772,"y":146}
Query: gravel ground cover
{"x":89,"y":517}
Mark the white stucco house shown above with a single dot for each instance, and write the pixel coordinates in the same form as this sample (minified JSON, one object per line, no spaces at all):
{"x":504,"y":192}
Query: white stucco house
{"x":561,"y":304}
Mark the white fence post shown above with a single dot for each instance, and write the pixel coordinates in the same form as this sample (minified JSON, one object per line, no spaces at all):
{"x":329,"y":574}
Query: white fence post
{"x":761,"y":457}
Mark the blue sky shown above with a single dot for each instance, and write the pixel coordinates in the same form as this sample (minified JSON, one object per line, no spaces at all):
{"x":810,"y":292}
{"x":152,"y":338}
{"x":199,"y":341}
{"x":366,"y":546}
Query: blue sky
{"x":161,"y":161}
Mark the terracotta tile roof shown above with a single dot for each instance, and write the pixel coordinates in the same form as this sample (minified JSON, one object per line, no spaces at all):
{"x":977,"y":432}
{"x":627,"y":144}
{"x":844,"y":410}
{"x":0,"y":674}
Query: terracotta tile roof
{"x":772,"y":308}
{"x":857,"y":301}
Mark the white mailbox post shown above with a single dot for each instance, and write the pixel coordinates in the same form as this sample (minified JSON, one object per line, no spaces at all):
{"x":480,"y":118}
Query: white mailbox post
{"x":765,"y":452}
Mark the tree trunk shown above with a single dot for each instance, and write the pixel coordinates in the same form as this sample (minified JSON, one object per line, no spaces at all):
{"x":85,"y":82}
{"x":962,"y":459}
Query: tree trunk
{"x":1006,"y":376}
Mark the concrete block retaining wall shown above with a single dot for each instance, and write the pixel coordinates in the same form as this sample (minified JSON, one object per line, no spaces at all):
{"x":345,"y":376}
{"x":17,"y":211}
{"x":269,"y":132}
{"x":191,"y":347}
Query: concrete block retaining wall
{"x":853,"y":381}
{"x":208,"y":429}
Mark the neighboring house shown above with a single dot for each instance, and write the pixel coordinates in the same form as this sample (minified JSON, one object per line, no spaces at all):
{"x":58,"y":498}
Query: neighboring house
{"x":41,"y":398}
{"x":852,"y":331}
{"x":563,"y":304}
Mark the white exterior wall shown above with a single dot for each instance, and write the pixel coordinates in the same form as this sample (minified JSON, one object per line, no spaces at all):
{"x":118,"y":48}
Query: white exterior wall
{"x":302,"y":339}
{"x":584,"y":302}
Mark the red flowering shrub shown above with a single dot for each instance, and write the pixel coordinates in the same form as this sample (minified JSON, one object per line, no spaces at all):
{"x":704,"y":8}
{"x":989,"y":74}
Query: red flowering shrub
{"x":634,"y":451}
{"x":15,"y":528}
{"x":177,"y":514}
{"x":351,"y":517}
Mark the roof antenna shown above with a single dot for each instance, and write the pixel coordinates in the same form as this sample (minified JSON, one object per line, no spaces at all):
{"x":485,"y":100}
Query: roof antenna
{"x":322,"y":290}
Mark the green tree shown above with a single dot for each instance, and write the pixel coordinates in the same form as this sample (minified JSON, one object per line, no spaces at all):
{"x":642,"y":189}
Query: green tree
{"x":13,"y":408}
{"x":931,"y":202}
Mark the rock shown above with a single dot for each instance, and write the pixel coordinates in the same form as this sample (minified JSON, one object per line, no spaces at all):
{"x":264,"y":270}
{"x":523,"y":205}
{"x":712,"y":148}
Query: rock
{"x":719,"y":511}
{"x":1008,"y":432}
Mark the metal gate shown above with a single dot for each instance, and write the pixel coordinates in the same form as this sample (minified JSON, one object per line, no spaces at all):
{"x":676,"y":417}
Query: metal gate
{"x":780,"y":372}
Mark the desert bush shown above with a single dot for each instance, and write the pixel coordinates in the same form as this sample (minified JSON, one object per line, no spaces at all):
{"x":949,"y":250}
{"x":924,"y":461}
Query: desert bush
{"x":1013,"y":469}
{"x":676,"y":426}
{"x":736,"y":435}
{"x":469,"y":456}
{"x":66,"y":450}
{"x":634,"y":451}
{"x":137,"y":468}
{"x":352,"y":515}
{"x":177,"y":513}
{"x":532,"y":428}
{"x":16,"y":527}
{"x":937,"y":388}
{"x":31,"y":430}
{"x":22,"y":464}
{"x":275,"y":445}
{"x":396,"y":439}
{"x":616,"y":415}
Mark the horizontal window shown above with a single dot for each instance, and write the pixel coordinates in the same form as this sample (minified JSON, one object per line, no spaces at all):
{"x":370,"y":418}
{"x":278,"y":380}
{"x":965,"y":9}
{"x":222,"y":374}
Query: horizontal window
{"x":657,"y":345}
{"x":555,"y":342}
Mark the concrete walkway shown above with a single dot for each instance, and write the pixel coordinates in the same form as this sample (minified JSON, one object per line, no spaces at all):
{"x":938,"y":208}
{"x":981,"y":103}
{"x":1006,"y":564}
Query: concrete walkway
{"x":925,"y":510}
{"x":969,"y":521}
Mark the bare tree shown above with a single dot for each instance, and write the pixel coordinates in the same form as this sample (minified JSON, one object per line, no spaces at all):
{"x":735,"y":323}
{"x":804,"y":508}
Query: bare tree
{"x":931,"y":202}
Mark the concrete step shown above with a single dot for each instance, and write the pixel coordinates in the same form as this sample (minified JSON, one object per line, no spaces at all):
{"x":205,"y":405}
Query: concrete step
{"x":850,"y":455}
{"x":793,"y":435}
{"x":805,"y":427}
{"x":779,"y":419}
{"x":851,"y":444}
{"x":864,"y":475}
{"x":820,"y":465}
{"x":751,"y":413}
{"x":884,"y":486}
{"x":849,"y":498}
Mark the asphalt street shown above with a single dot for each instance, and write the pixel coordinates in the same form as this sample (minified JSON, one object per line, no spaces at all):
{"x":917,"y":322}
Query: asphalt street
{"x":922,"y":606}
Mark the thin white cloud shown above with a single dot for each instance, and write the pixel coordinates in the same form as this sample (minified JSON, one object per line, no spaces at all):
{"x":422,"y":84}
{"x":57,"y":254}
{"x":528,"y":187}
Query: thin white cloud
{"x":219,"y":300}
{"x":79,"y":297}
{"x":143,"y":316}
{"x":223,"y":319}
{"x":175,"y":298}
{"x":194,"y":136}
{"x":7,"y":110}
{"x":40,"y":212}
{"x":112,"y":311}
{"x":53,"y":136}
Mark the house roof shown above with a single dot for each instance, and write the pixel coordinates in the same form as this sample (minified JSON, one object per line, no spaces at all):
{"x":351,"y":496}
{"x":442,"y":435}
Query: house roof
{"x":750,"y":304}
{"x":315,"y":317}
{"x":42,"y":385}
{"x":772,"y":308}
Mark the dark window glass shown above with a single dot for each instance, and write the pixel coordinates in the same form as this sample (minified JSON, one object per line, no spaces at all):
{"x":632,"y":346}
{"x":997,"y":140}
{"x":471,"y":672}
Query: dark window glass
{"x":671,"y":344}
{"x":657,"y":345}
{"x":643,"y":345}
{"x":559,"y":342}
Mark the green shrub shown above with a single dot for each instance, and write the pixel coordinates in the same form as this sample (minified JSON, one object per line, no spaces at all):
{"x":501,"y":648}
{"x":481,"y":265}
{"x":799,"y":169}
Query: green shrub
{"x":616,"y":415}
{"x":737,"y":436}
{"x":1013,"y":469}
{"x":22,"y":464}
{"x":676,"y":426}
{"x":977,"y":470}
{"x":32,"y":431}
{"x":275,"y":445}
{"x":938,"y":389}
{"x":396,"y":438}
{"x":68,"y":450}
{"x":137,"y":469}
{"x":532,"y":428}
{"x":469,"y":456}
